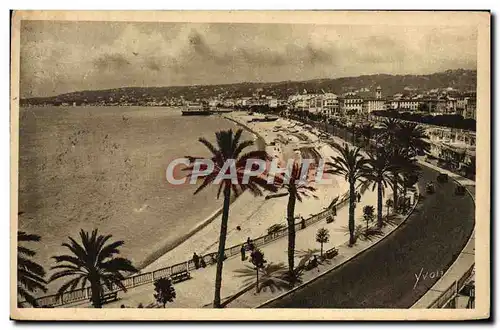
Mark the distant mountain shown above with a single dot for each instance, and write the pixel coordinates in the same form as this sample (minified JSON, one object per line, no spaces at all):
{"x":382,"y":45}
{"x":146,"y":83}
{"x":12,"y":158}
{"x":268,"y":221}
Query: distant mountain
{"x":463,"y":80}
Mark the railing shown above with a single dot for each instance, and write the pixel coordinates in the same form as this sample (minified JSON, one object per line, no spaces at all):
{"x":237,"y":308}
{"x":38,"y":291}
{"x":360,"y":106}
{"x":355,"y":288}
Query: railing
{"x":447,"y":295}
{"x":149,"y":277}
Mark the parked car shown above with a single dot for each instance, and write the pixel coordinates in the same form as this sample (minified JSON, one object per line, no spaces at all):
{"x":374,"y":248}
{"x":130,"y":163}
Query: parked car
{"x":430,"y":188}
{"x":460,"y":190}
{"x":442,"y":178}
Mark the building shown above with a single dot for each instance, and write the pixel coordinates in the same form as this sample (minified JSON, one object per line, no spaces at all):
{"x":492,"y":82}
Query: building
{"x":370,"y":105}
{"x":326,"y":104}
{"x":273,"y":103}
{"x":351,"y":104}
{"x":466,"y":106}
{"x":453,"y":145}
{"x":331,"y":106}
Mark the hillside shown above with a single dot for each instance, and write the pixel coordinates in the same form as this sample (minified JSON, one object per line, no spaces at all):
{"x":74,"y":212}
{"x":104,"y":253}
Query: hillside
{"x":460,"y":79}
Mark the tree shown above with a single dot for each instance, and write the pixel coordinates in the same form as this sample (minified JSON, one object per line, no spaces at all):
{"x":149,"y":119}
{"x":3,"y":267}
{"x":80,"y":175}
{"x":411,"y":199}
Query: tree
{"x":353,"y":167}
{"x":367,"y":132}
{"x":470,"y":168}
{"x":93,"y":261}
{"x":229,"y":148}
{"x":164,"y":291}
{"x":378,"y":172}
{"x":272,"y":276}
{"x":410,"y":136}
{"x":400,"y":160}
{"x":30,"y":275}
{"x":296,"y":188}
{"x":410,"y":174}
{"x":389,"y":204}
{"x":389,"y":127}
{"x":368,"y":214}
{"x":257,"y":259}
{"x":322,"y":237}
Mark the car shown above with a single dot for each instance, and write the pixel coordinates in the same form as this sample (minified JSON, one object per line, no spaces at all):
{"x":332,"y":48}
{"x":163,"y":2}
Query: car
{"x":442,"y":178}
{"x":430,"y":188}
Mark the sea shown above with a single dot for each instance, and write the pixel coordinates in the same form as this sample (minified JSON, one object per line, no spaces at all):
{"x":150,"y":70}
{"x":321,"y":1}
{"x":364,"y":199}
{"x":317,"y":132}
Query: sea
{"x":104,"y":168}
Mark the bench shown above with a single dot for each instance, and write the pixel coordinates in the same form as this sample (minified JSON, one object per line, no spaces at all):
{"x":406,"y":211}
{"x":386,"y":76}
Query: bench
{"x":108,"y":297}
{"x":180,"y":276}
{"x":332,"y":253}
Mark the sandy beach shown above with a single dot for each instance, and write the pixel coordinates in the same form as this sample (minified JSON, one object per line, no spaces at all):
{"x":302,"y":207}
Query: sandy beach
{"x":254,"y":215}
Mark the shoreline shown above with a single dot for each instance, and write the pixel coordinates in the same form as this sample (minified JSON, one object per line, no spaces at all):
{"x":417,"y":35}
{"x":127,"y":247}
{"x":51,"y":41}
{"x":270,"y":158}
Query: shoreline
{"x":250,"y":216}
{"x":154,"y":256}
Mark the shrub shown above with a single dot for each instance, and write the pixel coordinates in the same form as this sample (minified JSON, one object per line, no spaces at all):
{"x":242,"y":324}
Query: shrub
{"x":164,"y":291}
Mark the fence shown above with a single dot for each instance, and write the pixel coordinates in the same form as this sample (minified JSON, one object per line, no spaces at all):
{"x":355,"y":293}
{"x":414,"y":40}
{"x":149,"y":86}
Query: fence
{"x":447,"y":295}
{"x":79,"y":295}
{"x":210,"y":258}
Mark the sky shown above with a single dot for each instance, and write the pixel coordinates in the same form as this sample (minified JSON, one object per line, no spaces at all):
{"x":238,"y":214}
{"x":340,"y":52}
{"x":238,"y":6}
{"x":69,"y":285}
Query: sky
{"x":60,"y":57}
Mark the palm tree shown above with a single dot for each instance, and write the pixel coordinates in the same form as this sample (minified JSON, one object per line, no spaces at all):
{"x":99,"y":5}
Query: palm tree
{"x":367,"y":131}
{"x":305,"y":256}
{"x":399,"y":159}
{"x":229,"y":148}
{"x":257,"y":259}
{"x":92,"y":261}
{"x":410,"y":175}
{"x":389,"y":127}
{"x":368,"y":215}
{"x":272,"y":276}
{"x":411,"y":137}
{"x":353,"y":166}
{"x":322,"y":237}
{"x":296,"y":188}
{"x":30,"y":275}
{"x":380,"y":169}
{"x":388,"y":204}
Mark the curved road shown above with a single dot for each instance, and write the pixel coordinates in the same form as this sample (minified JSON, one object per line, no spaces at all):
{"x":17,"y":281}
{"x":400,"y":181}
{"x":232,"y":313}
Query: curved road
{"x":385,"y":276}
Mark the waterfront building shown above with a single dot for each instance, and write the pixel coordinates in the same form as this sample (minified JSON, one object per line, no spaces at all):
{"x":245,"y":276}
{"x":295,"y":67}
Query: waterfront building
{"x":453,"y":145}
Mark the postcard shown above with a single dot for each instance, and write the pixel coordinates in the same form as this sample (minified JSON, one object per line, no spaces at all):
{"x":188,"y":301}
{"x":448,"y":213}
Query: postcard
{"x":250,"y":165}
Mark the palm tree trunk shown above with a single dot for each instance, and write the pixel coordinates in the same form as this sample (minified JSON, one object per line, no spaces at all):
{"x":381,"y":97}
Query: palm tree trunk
{"x":257,"y":287}
{"x":405,"y":191}
{"x":395,"y":192}
{"x":379,"y":205}
{"x":96,"y":293}
{"x":291,"y":232}
{"x":352,"y":200}
{"x":222,"y":245}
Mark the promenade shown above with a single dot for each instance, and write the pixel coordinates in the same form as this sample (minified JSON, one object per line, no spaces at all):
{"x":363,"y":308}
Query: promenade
{"x":409,"y":250}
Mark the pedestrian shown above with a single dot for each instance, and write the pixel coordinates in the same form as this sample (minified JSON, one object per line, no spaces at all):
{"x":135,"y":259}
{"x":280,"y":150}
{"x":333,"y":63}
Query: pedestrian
{"x":359,"y":196}
{"x":251,"y":246}
{"x":203,"y":264}
{"x":302,"y":223}
{"x":196,"y":260}
{"x":242,"y":250}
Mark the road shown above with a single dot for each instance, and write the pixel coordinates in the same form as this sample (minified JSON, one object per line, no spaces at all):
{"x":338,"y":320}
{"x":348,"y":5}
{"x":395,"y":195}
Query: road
{"x":386,"y":275}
